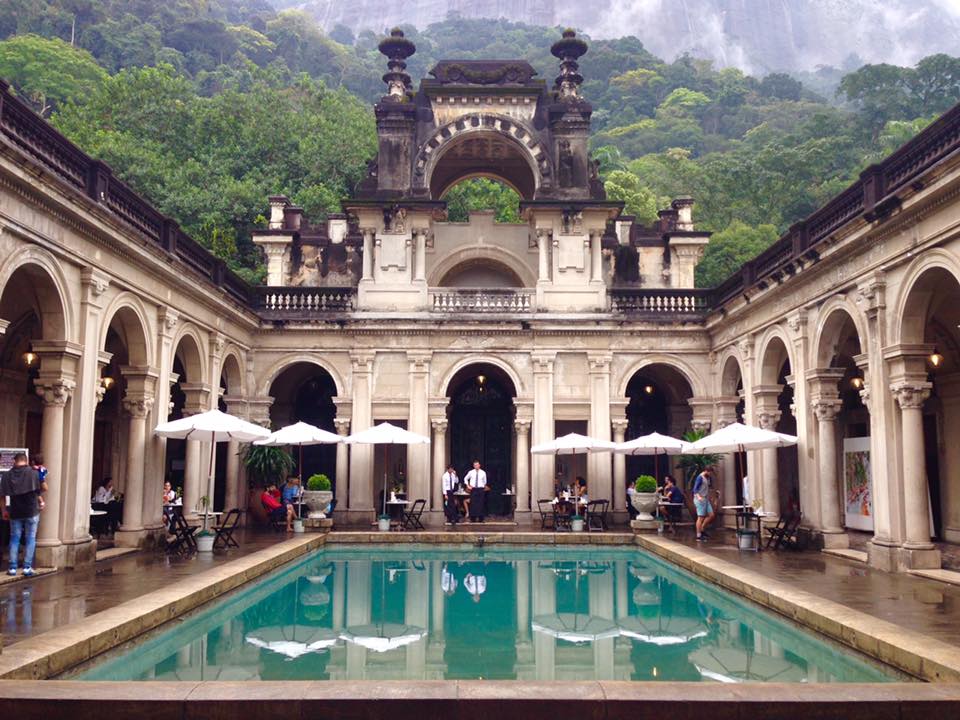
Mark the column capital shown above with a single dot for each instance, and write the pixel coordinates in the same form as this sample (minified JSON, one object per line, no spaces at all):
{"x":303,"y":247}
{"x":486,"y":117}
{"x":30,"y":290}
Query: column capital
{"x":543,"y":361}
{"x":768,"y":419}
{"x":701,"y":425}
{"x":599,"y":362}
{"x":342,"y":425}
{"x":54,"y":391}
{"x":871,"y":293}
{"x":620,"y":424}
{"x":419,"y":360}
{"x":361,"y":361}
{"x":522,"y":426}
{"x":826,"y":409}
{"x":138,"y":407}
{"x":168,"y":318}
{"x":197,"y":398}
{"x":911,"y":395}
{"x":767,"y":392}
{"x":439,"y":425}
{"x":95,"y":284}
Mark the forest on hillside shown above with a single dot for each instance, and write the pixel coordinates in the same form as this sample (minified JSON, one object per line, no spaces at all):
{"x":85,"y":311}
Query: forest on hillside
{"x":206,"y":107}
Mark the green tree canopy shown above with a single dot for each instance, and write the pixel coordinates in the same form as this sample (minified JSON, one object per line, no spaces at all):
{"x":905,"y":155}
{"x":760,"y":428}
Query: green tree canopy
{"x":729,"y":249}
{"x":482,"y":194}
{"x":638,"y":199}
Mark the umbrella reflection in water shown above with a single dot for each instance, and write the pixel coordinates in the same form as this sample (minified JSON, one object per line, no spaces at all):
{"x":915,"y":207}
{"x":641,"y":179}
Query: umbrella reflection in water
{"x":734,"y":665}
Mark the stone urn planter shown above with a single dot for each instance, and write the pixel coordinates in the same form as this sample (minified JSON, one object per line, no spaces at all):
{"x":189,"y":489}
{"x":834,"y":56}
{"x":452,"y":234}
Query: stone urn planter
{"x":205,"y":542}
{"x":576,"y":523}
{"x":317,"y":501}
{"x":644,"y":504}
{"x":383,"y":524}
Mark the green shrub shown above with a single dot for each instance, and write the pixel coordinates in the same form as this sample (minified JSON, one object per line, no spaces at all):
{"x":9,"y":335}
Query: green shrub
{"x":318,"y":482}
{"x":645,"y":484}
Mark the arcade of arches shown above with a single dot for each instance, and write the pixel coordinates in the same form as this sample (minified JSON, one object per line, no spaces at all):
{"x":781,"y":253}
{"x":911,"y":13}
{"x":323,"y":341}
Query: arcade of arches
{"x":487,"y":337}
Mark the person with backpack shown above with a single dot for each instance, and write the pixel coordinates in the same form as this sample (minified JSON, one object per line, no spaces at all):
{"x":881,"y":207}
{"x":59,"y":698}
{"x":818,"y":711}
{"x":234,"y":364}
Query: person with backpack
{"x":22,"y":485}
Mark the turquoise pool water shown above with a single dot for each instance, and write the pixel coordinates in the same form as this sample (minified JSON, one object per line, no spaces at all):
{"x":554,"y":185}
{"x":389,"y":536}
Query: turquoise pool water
{"x":427,"y":612}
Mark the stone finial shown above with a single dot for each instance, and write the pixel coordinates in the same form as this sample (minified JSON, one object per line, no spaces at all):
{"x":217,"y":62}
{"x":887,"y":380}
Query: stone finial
{"x":569,"y":49}
{"x":397,"y":49}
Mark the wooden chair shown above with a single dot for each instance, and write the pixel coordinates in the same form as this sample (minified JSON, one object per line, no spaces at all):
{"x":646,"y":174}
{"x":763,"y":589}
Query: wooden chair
{"x":224,"y":531}
{"x":597,"y":515}
{"x":411,"y":517}
{"x":182,"y":540}
{"x":784,"y":533}
{"x":545,"y":507}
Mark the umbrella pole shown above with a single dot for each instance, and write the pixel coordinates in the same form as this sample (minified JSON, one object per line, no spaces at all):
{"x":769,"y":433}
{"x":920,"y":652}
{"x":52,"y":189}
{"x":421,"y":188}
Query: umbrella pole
{"x":210,"y":484}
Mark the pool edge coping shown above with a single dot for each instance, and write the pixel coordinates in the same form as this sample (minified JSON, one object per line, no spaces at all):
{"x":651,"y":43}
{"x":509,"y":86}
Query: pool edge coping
{"x":61,"y":648}
{"x":914,"y":653}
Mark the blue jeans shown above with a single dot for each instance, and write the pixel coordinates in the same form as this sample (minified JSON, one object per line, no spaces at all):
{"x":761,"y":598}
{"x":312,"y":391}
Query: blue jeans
{"x":28,"y":526}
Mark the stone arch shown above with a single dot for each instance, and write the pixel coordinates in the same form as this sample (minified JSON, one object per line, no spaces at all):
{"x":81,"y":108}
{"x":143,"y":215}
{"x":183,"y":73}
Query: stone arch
{"x":275,"y":370}
{"x":833,"y":316}
{"x":57,"y":315}
{"x":681,"y":367}
{"x":483,"y":253}
{"x":190,"y":345}
{"x":527,"y":171}
{"x":443,"y":388}
{"x":770,"y":357}
{"x":909,"y":318}
{"x":231,"y":366}
{"x":131,"y":319}
{"x":731,"y":372}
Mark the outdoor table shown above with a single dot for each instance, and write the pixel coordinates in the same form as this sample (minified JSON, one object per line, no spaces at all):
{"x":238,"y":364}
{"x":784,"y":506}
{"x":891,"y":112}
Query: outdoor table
{"x":662,"y":504}
{"x":96,"y":525}
{"x":745,"y":516}
{"x":396,"y":507}
{"x":511,"y":502}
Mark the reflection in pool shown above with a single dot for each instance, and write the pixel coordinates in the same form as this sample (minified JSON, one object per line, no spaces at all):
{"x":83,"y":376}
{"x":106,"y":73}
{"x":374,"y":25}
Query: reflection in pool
{"x":383,"y":613}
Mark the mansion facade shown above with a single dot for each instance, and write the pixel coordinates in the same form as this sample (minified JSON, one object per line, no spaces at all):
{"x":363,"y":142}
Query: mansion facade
{"x":487,"y":337}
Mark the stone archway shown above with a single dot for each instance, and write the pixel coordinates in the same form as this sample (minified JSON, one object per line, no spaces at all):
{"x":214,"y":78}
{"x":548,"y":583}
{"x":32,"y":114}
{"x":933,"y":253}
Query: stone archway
{"x":925,"y":377}
{"x":480,"y":414}
{"x":773,"y":407}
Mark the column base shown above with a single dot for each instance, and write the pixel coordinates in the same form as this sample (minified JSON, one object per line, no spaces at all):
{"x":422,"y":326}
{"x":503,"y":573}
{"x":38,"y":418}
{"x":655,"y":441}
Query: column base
{"x":919,"y":559}
{"x":132,"y":538}
{"x":882,"y":555}
{"x":52,"y":555}
{"x":355,"y":517}
{"x":80,"y":552}
{"x":643,"y":526}
{"x":835,"y":540}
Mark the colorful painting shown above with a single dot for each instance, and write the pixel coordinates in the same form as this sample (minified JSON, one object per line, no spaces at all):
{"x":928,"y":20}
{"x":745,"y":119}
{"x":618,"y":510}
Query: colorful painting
{"x":857,"y":486}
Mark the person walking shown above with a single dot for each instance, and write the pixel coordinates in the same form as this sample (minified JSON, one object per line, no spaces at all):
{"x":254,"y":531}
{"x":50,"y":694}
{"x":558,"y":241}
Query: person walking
{"x":22,"y":485}
{"x":701,"y":500}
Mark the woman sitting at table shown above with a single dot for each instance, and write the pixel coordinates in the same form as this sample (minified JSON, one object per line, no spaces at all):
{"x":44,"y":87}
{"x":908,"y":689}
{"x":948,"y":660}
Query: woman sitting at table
{"x":580,"y":488}
{"x":291,"y":493}
{"x":169,"y":494}
{"x":277,"y":511}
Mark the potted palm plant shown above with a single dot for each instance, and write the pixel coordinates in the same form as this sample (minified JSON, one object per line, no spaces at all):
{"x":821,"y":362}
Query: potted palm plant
{"x":383,"y":523}
{"x":265,"y":465}
{"x":317,"y":494}
{"x":644,"y":497}
{"x":576,"y":522}
{"x":693,"y":465}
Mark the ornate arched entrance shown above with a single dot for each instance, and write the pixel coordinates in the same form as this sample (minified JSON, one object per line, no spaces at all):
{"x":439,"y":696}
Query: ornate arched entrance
{"x":481,"y":415}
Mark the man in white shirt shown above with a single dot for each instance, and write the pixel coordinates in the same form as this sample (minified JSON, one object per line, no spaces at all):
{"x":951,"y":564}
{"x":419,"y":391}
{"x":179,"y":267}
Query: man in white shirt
{"x":476,"y":585}
{"x":448,"y":583}
{"x":477,"y":482}
{"x":450,"y":483}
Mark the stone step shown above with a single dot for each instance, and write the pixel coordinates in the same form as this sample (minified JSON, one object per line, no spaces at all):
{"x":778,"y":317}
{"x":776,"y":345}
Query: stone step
{"x":847,"y":554}
{"x":951,"y":577}
{"x":109,"y":553}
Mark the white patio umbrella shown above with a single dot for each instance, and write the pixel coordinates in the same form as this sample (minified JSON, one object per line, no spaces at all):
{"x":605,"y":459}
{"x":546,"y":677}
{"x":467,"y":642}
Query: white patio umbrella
{"x":381,"y":637}
{"x":653,"y":444}
{"x":661,"y":631}
{"x":212,"y":426}
{"x":734,"y":665}
{"x":293,"y":641}
{"x":738,"y":438}
{"x":575,"y":627}
{"x":386,"y":434}
{"x":300,"y":434}
{"x":572,"y":444}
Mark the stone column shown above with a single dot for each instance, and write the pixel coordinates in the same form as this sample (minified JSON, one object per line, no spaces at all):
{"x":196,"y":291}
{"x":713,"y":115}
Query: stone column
{"x":826,"y":410}
{"x":232,"y":488}
{"x":131,"y":530}
{"x":361,"y":456}
{"x":619,"y":468}
{"x":543,"y":424}
{"x":911,"y":396}
{"x":195,"y":472}
{"x":599,"y":471}
{"x":420,"y":262}
{"x":768,"y":415}
{"x":522,"y":470}
{"x":367,"y":254}
{"x":343,"y":468}
{"x":596,"y":262}
{"x":439,"y":426}
{"x":418,"y":456}
{"x":543,"y":267}
{"x":55,"y":393}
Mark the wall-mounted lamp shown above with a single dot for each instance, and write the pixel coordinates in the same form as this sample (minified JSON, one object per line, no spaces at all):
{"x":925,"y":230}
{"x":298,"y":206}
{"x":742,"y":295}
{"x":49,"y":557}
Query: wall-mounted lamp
{"x":935,"y":359}
{"x":648,"y":389}
{"x":106,"y":382}
{"x":856,"y":383}
{"x":30,"y":358}
{"x":481,"y":379}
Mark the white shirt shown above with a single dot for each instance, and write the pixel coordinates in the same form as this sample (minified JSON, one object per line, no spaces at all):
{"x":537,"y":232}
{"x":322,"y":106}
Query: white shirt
{"x":477,"y":478}
{"x":448,"y":583}
{"x":475,"y":584}
{"x":103,"y":495}
{"x":450,"y":481}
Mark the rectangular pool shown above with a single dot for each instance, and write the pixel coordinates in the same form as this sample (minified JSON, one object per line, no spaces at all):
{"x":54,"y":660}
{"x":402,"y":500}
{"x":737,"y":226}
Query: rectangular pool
{"x":428,"y":612}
